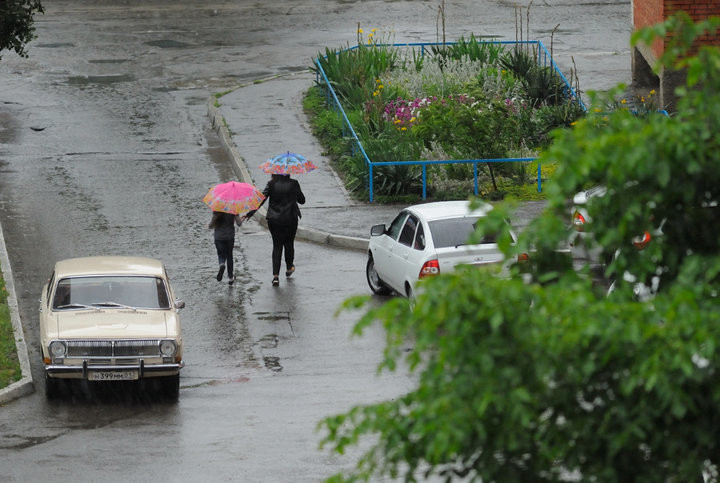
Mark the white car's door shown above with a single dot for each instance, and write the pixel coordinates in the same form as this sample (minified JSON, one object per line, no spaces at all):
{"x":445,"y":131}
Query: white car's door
{"x":404,"y":259}
{"x":384,"y":250}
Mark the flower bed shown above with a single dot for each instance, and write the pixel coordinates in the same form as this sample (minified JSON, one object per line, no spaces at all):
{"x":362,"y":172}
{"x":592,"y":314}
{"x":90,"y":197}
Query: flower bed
{"x":416,"y":105}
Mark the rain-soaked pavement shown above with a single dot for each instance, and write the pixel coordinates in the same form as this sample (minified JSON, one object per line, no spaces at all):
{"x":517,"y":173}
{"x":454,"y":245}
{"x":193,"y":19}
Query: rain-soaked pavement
{"x":105,"y":148}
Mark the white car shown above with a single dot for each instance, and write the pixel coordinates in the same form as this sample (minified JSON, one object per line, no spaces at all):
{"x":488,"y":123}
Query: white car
{"x":425,"y":240}
{"x":584,"y":251}
{"x":110,"y":318}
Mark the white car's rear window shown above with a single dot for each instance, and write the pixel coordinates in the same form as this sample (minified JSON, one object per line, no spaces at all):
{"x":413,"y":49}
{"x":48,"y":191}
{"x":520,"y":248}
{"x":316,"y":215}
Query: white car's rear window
{"x":453,"y":232}
{"x":131,"y":291}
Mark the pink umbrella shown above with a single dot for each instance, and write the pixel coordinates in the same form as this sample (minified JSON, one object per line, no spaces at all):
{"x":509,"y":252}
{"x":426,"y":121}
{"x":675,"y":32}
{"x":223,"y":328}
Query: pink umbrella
{"x":234,"y":197}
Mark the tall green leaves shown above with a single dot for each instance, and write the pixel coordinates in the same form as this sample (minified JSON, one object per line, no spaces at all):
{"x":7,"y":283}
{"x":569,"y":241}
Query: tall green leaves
{"x":353,"y":72}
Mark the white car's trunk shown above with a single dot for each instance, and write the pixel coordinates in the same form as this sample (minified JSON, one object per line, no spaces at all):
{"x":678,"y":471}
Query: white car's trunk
{"x":449,"y":257}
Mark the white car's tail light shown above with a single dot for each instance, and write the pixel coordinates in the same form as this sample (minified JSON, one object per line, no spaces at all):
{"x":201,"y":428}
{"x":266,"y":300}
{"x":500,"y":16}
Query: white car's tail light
{"x":579,"y":221}
{"x":429,"y":268}
{"x":641,"y":241}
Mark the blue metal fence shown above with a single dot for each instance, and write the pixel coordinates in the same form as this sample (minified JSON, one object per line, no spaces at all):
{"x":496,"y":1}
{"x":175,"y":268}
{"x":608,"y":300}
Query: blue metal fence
{"x":544,"y":59}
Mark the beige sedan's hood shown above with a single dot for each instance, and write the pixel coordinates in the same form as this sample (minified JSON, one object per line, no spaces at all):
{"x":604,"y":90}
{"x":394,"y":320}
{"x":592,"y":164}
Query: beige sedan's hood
{"x":111,"y":324}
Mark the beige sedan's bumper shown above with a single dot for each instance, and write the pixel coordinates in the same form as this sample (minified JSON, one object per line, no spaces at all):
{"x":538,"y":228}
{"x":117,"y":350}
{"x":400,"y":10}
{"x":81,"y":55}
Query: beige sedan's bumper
{"x":83,"y":371}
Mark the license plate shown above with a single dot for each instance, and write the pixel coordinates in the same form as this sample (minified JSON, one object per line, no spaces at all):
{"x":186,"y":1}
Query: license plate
{"x":112,"y":375}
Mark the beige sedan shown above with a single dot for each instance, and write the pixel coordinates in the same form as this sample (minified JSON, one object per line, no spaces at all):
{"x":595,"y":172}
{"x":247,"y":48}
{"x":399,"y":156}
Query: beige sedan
{"x":110,"y":318}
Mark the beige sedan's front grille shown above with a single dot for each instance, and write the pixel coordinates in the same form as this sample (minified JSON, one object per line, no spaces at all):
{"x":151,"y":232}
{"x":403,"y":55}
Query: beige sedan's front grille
{"x":91,"y":349}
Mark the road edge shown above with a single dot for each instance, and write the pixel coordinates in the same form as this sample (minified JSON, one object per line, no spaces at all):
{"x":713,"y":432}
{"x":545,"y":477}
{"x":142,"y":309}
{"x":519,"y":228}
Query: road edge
{"x":219,"y":125}
{"x":25,"y":385}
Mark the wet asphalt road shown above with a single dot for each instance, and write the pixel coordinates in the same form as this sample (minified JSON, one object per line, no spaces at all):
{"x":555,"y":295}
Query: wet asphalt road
{"x":105,"y":148}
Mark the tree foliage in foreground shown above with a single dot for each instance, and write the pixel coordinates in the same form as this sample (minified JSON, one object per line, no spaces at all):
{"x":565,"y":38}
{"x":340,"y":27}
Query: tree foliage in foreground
{"x":543,"y":377}
{"x":16,"y":24}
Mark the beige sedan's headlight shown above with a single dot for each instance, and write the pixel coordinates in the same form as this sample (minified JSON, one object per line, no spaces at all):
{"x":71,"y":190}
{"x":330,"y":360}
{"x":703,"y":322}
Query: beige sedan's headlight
{"x":57,"y":349}
{"x":168,"y":348}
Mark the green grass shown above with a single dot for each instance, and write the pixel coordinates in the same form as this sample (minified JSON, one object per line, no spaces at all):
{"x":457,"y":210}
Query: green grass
{"x":9,"y":364}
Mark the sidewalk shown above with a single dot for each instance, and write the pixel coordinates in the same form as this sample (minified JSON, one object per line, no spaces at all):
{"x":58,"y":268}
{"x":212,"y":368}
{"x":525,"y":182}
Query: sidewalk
{"x":263,"y":119}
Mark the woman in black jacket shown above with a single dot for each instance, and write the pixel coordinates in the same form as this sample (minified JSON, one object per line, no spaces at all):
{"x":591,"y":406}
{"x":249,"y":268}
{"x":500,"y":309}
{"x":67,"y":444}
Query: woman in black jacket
{"x":283,"y":212}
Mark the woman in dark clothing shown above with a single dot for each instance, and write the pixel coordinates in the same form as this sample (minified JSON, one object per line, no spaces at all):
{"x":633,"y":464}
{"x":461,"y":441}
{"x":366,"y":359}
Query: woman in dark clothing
{"x":283,"y":212}
{"x":224,"y":226}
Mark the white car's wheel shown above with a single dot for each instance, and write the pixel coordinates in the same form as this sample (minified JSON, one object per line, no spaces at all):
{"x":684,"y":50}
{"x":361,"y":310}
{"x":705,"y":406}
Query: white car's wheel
{"x":410,"y":296}
{"x":376,"y":284}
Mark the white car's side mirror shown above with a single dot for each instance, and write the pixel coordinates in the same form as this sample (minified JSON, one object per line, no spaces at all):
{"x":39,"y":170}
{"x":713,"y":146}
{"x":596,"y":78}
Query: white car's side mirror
{"x":377,"y":230}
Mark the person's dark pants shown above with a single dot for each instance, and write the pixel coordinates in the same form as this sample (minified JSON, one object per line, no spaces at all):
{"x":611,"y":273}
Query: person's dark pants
{"x":225,"y":254}
{"x":283,"y":238}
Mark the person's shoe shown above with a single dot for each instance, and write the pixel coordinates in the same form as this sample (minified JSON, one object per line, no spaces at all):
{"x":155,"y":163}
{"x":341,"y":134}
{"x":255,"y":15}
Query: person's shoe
{"x":231,"y":279}
{"x":220,"y":273}
{"x":276,"y":281}
{"x":290,"y":271}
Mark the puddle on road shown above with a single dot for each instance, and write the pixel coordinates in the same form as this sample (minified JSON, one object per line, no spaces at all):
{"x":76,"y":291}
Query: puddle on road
{"x":87,"y":80}
{"x":273,"y":316}
{"x":168,"y":44}
{"x":273,"y":363}
{"x":269,"y":341}
{"x":55,"y":45}
{"x":108,"y":61}
{"x":17,"y":441}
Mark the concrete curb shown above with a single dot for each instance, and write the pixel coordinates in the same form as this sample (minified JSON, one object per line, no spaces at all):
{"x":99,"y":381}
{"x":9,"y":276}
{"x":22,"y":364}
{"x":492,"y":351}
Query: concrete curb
{"x":308,"y":234}
{"x":25,"y":385}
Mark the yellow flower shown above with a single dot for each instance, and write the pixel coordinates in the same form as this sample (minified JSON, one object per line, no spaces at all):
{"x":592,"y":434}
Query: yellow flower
{"x":376,"y":93}
{"x":360,"y":31}
{"x":397,"y":121}
{"x":380,"y":86}
{"x":652,"y":92}
{"x":412,"y":119}
{"x":642,"y":99}
{"x":623,"y":101}
{"x":597,"y":109}
{"x":378,"y":81}
{"x":403,"y":128}
{"x":573,"y":123}
{"x":373,"y":30}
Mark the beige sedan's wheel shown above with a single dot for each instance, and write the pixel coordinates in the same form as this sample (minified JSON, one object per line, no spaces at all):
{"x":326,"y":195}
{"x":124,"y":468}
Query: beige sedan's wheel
{"x":170,"y":386}
{"x":52,"y":387}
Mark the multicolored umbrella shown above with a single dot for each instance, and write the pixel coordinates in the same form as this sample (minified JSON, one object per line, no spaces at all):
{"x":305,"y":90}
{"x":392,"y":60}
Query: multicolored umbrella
{"x":234,"y":197}
{"x":288,"y":163}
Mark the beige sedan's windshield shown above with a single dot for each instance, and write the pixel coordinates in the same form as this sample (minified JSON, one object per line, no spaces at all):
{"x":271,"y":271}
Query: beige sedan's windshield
{"x":115,"y":291}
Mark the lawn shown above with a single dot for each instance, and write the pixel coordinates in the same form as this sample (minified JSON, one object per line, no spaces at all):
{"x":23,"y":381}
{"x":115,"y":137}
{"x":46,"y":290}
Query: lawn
{"x":9,"y":364}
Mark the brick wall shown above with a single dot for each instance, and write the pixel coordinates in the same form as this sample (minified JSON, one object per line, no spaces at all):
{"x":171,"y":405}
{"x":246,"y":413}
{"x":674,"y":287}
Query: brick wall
{"x":650,"y":12}
{"x":646,"y":13}
{"x":697,"y":10}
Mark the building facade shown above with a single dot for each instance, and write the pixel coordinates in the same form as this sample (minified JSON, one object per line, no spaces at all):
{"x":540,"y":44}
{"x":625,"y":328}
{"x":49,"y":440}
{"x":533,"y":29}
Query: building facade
{"x":644,"y":57}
